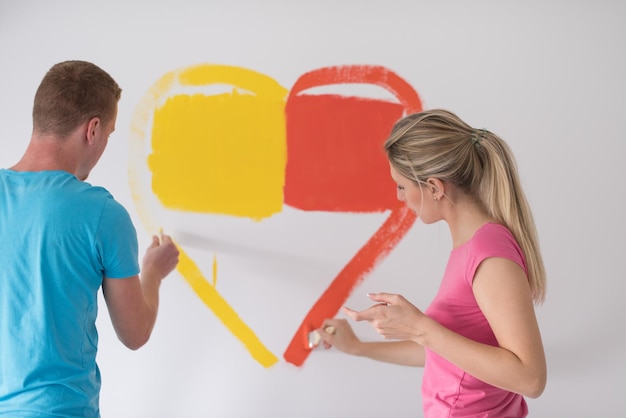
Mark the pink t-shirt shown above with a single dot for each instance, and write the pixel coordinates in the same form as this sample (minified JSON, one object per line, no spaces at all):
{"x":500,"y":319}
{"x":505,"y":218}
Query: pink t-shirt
{"x":447,"y":390}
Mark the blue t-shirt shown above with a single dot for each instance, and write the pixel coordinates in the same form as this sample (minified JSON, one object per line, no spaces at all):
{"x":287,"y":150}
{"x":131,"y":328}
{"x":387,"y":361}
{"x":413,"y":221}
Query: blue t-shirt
{"x":58,"y":238}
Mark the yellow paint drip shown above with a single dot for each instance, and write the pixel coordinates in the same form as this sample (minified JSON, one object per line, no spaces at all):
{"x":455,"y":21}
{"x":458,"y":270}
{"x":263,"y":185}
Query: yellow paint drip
{"x":214,"y":270}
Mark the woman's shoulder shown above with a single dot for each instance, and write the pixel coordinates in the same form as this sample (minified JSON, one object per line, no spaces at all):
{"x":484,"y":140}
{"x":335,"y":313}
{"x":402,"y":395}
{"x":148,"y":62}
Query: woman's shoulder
{"x":490,"y":231}
{"x":495,"y":240}
{"x":493,"y":237}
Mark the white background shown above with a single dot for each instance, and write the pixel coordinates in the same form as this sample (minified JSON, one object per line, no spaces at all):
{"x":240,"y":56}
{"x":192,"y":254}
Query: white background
{"x":546,"y":76}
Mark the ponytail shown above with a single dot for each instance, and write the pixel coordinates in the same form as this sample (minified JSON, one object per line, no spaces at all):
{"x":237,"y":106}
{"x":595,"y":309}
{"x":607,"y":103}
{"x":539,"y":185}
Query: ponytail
{"x":501,"y":193}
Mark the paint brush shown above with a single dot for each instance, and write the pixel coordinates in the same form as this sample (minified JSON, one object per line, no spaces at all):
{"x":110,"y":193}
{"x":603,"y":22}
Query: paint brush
{"x":315,"y":338}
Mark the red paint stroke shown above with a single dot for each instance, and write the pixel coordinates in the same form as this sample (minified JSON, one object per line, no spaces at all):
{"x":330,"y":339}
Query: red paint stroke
{"x":335,"y":158}
{"x":377,"y":115}
{"x":329,"y":303}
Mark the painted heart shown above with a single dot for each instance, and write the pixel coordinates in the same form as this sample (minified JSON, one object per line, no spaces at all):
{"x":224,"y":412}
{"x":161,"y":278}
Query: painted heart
{"x":336,"y":137}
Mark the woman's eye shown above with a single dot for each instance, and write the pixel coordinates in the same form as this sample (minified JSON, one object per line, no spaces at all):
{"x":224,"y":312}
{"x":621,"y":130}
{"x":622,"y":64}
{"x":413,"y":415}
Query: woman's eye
{"x":400,"y":187}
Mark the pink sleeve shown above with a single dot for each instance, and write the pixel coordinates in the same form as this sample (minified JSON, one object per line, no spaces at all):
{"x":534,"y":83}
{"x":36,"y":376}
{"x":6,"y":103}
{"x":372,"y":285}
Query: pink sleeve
{"x":492,"y":240}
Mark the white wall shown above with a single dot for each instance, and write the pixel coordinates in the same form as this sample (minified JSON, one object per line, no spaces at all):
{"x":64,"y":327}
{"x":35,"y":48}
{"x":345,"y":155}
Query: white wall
{"x":547,"y":76}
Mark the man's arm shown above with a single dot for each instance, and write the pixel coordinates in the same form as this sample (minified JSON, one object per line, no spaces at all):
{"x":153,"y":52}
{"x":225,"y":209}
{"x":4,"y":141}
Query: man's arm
{"x":133,"y":302}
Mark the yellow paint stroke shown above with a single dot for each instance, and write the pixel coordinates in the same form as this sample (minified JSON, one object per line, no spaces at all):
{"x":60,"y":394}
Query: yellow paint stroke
{"x":139,"y":122}
{"x":224,"y":153}
{"x":140,"y":186}
{"x":222,"y":310}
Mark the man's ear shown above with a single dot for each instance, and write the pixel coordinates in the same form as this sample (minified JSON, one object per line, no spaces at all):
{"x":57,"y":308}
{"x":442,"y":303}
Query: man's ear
{"x":93,"y":127}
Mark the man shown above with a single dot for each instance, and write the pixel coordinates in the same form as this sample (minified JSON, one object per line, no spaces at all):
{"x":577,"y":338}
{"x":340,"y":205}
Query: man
{"x":60,"y":240}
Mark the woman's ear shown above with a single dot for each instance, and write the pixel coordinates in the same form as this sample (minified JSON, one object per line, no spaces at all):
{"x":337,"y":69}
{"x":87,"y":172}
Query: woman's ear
{"x":436,"y":187}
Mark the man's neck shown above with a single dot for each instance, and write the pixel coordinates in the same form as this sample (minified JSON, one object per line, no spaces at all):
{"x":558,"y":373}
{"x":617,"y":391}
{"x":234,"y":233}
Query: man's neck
{"x":46,"y":152}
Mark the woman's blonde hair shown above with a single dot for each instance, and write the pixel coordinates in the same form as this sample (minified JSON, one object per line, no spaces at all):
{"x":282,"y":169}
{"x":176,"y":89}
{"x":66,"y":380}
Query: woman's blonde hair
{"x":438,"y":144}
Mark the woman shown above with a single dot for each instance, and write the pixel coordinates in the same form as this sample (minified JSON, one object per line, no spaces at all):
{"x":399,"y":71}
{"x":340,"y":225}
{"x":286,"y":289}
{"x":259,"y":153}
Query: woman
{"x":478,"y":341}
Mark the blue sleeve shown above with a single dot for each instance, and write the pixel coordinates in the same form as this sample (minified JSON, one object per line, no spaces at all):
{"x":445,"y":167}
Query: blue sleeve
{"x":116,"y":242}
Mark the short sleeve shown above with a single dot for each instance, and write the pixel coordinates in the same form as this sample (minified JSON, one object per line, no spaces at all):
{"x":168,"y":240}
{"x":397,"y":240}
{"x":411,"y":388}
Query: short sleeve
{"x":116,"y":242}
{"x":492,"y":240}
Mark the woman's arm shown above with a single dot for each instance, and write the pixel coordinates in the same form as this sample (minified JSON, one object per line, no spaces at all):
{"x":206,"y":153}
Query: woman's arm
{"x":503,"y":294}
{"x":405,"y":353}
{"x":501,"y":289}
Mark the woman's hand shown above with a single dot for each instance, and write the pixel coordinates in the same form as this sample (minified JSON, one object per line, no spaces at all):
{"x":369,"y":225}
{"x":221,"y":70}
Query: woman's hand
{"x":393,"y":317}
{"x":339,"y":334}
